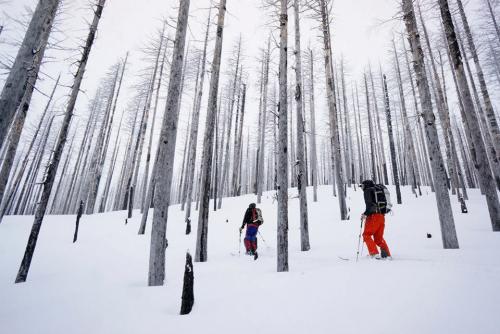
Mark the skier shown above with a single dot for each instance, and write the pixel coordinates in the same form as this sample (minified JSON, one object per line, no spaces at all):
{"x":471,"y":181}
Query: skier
{"x":252,"y":219}
{"x":374,"y":220}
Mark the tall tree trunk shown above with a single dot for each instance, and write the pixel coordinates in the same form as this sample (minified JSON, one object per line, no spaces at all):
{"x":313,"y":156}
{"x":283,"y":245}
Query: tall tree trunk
{"x":407,"y":129}
{"x":332,"y":110}
{"x":262,"y":127}
{"x":148,"y":188}
{"x":14,"y":140}
{"x":282,"y":243}
{"x":95,"y":165}
{"x":479,"y":155}
{"x":314,"y":157}
{"x":448,"y":232}
{"x":237,"y":177}
{"x":166,"y":153}
{"x":493,"y":18}
{"x":488,"y":106}
{"x":195,"y":125}
{"x":392,"y":147}
{"x":379,"y":132}
{"x":225,"y":166}
{"x":51,"y":172}
{"x":370,"y":132}
{"x":301,"y":175}
{"x":206,"y":165}
{"x":24,"y":71}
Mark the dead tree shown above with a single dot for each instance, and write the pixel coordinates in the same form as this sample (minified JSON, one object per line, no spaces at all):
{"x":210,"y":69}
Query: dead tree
{"x":23,"y":75}
{"x":166,"y":153}
{"x":262,"y":122}
{"x":225,"y":166}
{"x":51,"y":172}
{"x":77,"y":224}
{"x":314,"y":157}
{"x":208,"y":141}
{"x":448,"y":233}
{"x":488,"y":106}
{"x":193,"y":137}
{"x":282,"y":172}
{"x":410,"y":143}
{"x":479,"y":154}
{"x":188,"y":286}
{"x":321,"y":10}
{"x":392,"y":147}
{"x":13,"y":143}
{"x":301,"y":172}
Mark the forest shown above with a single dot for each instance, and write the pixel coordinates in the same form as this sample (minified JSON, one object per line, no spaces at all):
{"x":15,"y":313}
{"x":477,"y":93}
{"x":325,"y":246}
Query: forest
{"x":189,"y":127}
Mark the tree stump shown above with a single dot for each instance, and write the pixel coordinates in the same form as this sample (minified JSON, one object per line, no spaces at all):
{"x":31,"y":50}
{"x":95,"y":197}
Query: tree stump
{"x":187,"y":290}
{"x":78,"y":216}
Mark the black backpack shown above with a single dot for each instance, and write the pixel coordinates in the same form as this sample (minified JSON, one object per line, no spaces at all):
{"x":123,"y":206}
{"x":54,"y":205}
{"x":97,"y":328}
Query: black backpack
{"x":382,"y":199}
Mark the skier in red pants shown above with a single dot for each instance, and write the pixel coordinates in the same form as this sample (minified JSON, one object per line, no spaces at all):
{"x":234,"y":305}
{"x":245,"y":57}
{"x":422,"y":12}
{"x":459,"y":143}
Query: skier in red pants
{"x":373,"y":234}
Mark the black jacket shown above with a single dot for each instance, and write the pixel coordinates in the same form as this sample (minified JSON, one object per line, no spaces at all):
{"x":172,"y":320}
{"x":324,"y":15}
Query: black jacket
{"x":371,"y":206}
{"x":247,"y":218}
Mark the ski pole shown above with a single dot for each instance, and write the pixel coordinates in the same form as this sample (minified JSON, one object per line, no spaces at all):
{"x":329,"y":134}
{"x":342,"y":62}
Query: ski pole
{"x":265,"y":243}
{"x":239,"y":245}
{"x":359,"y":238}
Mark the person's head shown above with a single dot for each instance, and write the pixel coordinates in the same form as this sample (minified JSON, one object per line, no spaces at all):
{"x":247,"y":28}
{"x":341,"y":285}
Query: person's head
{"x":252,"y":206}
{"x":366,"y":184}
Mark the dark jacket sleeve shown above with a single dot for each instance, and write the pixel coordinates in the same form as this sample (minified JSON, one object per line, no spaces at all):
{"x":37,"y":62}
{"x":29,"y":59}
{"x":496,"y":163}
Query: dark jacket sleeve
{"x":246,"y":218}
{"x":369,"y":202}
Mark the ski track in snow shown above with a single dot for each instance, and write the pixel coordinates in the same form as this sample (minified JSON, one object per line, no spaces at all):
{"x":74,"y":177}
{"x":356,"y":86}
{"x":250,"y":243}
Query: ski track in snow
{"x":99,"y":284}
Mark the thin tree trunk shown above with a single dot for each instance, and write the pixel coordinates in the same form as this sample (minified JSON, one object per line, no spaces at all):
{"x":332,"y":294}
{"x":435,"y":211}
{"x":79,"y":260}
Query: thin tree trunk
{"x":206,"y":165}
{"x":225,"y":166}
{"x":195,"y":124}
{"x":262,"y":127}
{"x":479,"y":154}
{"x":332,"y":107}
{"x":51,"y":172}
{"x":314,"y":158}
{"x":493,"y":127}
{"x":301,"y":175}
{"x":448,"y":232}
{"x":391,"y":143}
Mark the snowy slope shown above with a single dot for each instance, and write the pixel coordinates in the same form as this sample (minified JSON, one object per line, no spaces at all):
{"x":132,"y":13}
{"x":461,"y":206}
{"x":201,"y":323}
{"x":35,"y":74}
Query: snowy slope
{"x":98,"y":285}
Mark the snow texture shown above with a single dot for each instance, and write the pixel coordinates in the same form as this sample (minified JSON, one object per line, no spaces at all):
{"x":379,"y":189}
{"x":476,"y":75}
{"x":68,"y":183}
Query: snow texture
{"x":99,"y":284}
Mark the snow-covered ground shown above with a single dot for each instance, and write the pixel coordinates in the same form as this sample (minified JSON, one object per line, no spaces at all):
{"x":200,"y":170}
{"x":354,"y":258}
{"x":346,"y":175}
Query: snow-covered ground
{"x":99,"y":284}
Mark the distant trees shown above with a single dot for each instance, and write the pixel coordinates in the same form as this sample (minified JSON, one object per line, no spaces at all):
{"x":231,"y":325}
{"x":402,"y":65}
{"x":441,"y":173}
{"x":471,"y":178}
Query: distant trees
{"x":253,"y":141}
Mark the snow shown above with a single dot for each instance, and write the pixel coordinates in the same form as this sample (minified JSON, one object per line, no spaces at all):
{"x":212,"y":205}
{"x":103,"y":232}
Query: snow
{"x":99,"y":284}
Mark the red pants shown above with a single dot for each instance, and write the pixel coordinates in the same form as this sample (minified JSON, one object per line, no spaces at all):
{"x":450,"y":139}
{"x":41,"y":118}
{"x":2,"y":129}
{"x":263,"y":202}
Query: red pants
{"x":374,"y":226}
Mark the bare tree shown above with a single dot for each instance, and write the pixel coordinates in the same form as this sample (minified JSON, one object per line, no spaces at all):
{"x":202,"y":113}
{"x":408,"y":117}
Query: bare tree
{"x":479,"y":154}
{"x":448,"y":232}
{"x":301,"y":175}
{"x":24,"y":72}
{"x":208,"y":141}
{"x":52,"y":169}
{"x":166,"y":153}
{"x":314,"y":158}
{"x":282,"y":245}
